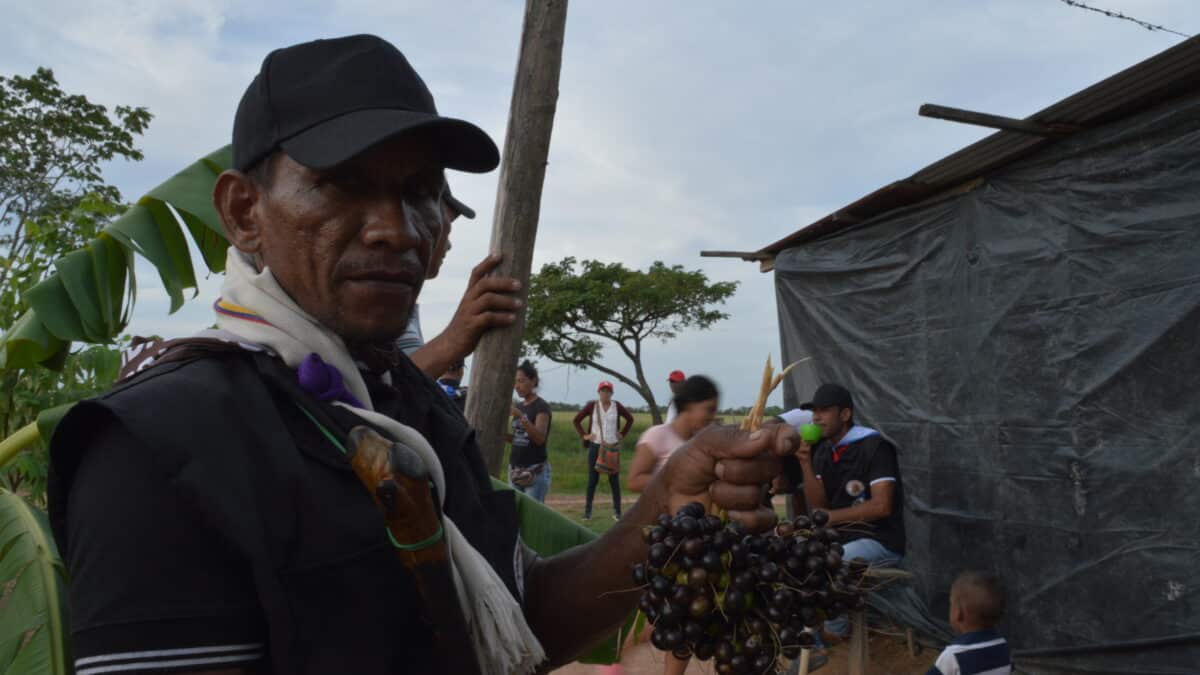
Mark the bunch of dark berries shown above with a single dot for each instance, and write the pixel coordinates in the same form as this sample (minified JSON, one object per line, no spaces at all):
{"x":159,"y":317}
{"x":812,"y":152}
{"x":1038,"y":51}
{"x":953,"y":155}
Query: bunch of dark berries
{"x":713,"y":591}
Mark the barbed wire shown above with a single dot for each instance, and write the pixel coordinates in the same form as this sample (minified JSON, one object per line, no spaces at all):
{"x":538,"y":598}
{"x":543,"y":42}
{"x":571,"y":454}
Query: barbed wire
{"x":1117,"y":15}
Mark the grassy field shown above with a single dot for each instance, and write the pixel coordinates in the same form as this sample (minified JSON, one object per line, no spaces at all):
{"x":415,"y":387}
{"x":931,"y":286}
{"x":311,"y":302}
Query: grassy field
{"x":568,"y":459}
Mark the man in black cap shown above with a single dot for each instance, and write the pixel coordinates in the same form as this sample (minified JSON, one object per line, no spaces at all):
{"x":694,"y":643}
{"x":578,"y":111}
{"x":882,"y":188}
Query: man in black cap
{"x":853,"y":474}
{"x":477,"y":312}
{"x":205,"y":507}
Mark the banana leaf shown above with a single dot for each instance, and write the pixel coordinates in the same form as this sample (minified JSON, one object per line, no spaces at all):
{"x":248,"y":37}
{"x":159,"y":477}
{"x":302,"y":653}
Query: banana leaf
{"x":33,"y":597}
{"x":548,"y":532}
{"x":90,"y":295}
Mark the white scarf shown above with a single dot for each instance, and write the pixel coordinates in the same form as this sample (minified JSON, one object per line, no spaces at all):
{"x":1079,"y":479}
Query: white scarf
{"x":503,"y":640}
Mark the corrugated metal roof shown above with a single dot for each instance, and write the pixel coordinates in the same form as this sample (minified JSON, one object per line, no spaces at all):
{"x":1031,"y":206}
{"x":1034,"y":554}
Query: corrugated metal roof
{"x":1159,"y":78}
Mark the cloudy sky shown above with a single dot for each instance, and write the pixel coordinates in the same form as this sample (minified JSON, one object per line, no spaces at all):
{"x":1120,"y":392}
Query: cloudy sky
{"x":681,"y":126}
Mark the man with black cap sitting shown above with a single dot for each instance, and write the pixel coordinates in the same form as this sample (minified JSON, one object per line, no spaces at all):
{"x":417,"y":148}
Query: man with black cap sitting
{"x":206,"y":507}
{"x":853,"y":474}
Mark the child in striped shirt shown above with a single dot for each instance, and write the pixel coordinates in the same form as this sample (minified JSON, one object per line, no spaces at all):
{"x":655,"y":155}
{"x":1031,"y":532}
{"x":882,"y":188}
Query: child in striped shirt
{"x":976,"y":605}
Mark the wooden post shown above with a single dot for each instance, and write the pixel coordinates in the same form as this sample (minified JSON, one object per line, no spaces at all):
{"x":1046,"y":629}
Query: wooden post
{"x":515,"y":220}
{"x":858,"y":643}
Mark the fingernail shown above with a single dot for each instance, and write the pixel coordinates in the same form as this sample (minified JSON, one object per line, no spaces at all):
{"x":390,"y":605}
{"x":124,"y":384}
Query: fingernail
{"x":719,"y":469}
{"x":520,"y":304}
{"x":516,"y":285}
{"x":758,"y":434}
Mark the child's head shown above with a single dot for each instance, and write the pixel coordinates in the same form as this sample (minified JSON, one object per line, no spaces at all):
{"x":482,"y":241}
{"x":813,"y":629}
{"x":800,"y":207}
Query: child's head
{"x":976,"y":602}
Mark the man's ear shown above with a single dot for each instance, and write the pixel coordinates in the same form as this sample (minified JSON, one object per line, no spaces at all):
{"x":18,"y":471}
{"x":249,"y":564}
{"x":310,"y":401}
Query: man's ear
{"x":845,"y":414}
{"x":235,"y":197}
{"x":958,"y":615}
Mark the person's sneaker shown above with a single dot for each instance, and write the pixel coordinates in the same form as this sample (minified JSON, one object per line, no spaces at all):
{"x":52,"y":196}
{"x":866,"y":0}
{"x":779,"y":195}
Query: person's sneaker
{"x":616,"y":516}
{"x":587,"y":516}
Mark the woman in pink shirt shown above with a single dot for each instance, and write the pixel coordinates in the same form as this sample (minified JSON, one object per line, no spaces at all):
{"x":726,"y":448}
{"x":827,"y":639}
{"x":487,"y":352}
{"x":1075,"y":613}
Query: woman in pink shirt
{"x":696,"y":407}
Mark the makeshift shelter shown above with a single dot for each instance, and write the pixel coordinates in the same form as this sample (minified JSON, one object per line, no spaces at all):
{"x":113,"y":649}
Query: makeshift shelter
{"x":1023,"y":318}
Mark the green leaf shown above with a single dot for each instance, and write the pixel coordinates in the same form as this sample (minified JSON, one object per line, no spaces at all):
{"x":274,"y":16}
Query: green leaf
{"x":211,"y":244}
{"x":172,"y":237}
{"x":191,"y":191}
{"x":108,"y":272}
{"x":50,"y":300}
{"x":139,"y":231}
{"x":78,"y":279}
{"x":48,"y":419}
{"x":33,"y":598}
{"x":548,"y":532}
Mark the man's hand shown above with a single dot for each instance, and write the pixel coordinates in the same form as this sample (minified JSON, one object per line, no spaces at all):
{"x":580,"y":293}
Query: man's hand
{"x":729,"y":468}
{"x":804,"y":454}
{"x":489,"y":302}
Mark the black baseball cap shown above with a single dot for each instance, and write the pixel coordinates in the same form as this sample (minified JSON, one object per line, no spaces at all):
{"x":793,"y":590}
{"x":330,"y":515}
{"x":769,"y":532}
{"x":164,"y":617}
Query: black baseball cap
{"x":829,"y":395}
{"x":459,"y":207}
{"x":326,"y":101}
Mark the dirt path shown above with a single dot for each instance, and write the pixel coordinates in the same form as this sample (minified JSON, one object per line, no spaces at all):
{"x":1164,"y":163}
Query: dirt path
{"x":888,"y":656}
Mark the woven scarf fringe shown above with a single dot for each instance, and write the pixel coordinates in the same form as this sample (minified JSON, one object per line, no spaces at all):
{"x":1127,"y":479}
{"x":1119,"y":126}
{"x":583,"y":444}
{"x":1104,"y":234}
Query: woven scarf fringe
{"x":504,"y":642}
{"x":499,"y":622}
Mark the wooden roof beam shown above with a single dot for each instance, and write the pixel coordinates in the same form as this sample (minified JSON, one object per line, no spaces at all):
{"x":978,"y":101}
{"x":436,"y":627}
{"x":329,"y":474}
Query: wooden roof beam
{"x":942,"y":112}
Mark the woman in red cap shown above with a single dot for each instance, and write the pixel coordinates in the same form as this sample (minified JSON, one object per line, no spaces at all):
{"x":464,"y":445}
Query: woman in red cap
{"x":603,"y":433}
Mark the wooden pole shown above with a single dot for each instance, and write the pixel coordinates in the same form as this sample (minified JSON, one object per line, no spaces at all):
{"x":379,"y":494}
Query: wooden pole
{"x":515,"y":220}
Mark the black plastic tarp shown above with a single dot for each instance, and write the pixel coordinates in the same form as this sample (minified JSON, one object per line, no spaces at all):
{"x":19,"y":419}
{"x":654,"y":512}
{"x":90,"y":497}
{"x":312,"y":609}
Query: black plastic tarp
{"x":1033,"y":346}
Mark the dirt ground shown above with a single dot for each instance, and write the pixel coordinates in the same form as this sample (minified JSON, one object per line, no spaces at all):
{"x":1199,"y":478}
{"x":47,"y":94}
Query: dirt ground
{"x":887,"y":656}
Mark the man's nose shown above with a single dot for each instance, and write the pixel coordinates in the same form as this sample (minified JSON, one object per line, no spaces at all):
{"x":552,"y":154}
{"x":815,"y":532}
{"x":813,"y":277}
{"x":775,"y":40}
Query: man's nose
{"x":390,"y":222}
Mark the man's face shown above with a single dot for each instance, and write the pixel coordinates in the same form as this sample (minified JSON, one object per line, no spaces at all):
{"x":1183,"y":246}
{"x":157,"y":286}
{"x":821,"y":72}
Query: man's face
{"x":674,"y":386}
{"x":441,"y":241}
{"x":831,"y":419}
{"x":605,"y":395}
{"x":352,"y":244}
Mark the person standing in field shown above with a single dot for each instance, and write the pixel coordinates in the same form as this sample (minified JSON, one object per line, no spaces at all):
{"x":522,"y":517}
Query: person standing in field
{"x":529,"y":467}
{"x":675,"y":381}
{"x":603,"y":432}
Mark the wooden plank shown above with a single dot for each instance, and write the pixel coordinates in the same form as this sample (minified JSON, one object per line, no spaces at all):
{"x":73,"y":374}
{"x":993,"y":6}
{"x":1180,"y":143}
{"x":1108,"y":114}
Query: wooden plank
{"x":942,"y":112}
{"x":749,"y":256}
{"x":515,"y":220}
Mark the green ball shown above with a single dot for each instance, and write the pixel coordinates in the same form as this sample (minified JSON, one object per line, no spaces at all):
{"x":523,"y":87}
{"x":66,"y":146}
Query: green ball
{"x":811,"y":433}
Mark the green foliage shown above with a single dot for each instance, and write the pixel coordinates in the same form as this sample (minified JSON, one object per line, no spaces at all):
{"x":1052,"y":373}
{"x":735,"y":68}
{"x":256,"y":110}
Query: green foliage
{"x":53,"y":202}
{"x":33,"y":598}
{"x":576,"y":309}
{"x":31,"y":392}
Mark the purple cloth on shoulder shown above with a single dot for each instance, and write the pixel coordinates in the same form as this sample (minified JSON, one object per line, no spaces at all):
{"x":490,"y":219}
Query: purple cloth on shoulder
{"x":324,"y":381}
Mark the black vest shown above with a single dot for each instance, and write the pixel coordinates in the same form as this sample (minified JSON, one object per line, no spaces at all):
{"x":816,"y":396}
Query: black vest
{"x":225,"y":431}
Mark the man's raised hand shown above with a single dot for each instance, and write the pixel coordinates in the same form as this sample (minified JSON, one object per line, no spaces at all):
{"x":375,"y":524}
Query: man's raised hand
{"x":728,"y":468}
{"x":489,"y":302}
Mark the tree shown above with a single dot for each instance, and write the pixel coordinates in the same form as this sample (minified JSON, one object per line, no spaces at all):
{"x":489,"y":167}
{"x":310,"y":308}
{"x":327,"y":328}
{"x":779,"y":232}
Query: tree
{"x":53,"y":199}
{"x":574,"y":315}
